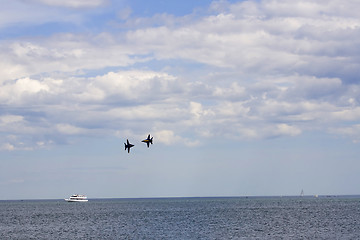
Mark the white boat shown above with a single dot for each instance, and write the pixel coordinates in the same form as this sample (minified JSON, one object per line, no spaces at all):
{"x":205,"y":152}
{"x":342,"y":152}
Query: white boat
{"x":77,"y":198}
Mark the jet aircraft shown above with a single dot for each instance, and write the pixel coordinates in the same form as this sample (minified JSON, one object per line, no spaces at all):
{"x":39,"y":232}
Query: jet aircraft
{"x":148,"y":140}
{"x":128,"y":145}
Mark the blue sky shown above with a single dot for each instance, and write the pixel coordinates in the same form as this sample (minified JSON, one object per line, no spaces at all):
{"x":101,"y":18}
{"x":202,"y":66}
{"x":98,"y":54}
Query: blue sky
{"x":243,"y":98}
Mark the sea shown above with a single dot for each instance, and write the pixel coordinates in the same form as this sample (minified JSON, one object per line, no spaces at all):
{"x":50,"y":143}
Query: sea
{"x":323,"y":217}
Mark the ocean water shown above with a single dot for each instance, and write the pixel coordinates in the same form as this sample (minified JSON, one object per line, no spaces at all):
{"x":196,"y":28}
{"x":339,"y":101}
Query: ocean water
{"x":183,"y":218}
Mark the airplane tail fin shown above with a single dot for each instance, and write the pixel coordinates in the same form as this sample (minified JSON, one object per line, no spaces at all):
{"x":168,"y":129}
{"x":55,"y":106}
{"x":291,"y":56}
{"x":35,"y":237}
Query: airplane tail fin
{"x":151,"y":140}
{"x":125,"y":146}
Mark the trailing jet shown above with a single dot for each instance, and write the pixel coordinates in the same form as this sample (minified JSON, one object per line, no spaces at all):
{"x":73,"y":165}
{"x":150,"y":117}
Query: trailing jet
{"x":128,"y":145}
{"x":148,"y":140}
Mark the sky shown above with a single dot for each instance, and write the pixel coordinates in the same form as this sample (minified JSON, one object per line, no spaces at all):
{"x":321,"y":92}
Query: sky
{"x":242,"y":98}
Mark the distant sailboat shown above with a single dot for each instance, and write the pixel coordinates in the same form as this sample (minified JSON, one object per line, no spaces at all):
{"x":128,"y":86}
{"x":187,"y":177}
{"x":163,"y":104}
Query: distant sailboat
{"x":302,"y":193}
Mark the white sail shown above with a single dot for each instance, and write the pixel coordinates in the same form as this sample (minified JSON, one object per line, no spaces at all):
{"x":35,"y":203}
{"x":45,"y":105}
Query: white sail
{"x":302,"y":193}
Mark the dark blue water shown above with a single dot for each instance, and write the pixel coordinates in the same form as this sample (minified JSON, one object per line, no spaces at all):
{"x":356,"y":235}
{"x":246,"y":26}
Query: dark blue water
{"x":183,"y":218}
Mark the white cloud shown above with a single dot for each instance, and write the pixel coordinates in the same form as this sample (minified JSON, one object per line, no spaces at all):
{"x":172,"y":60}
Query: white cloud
{"x":275,"y":44}
{"x":9,"y":119}
{"x":285,"y":129}
{"x":135,"y":85}
{"x":168,"y":137}
{"x":22,"y":90}
{"x":198,"y":113}
{"x":258,"y":69}
{"x":234,"y":91}
{"x":69,"y":129}
{"x":346,"y":114}
{"x":265,"y":45}
{"x":65,"y":53}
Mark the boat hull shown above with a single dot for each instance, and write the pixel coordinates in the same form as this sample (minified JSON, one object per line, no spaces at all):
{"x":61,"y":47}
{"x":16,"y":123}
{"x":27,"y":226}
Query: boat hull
{"x":76,"y":200}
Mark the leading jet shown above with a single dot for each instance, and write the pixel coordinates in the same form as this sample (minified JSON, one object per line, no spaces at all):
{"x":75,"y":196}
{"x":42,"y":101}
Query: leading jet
{"x":148,"y":140}
{"x":128,"y":145}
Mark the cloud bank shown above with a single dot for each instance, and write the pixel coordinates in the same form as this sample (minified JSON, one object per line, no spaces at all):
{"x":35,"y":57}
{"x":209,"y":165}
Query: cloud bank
{"x":246,"y":70}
